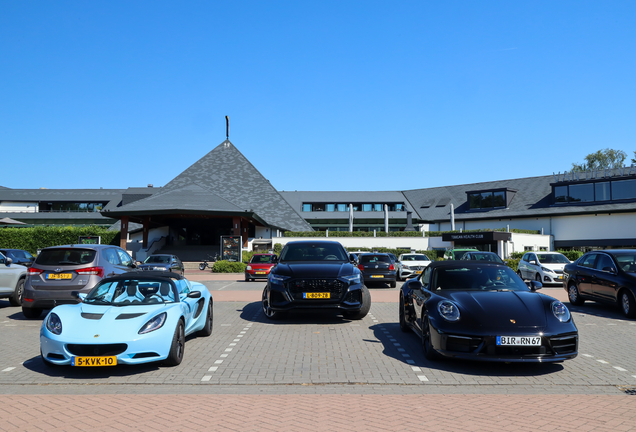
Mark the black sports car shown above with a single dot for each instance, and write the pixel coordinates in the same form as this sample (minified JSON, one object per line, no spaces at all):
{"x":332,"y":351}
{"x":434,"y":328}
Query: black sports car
{"x":315,"y":275}
{"x":607,"y":276}
{"x":484,"y":311}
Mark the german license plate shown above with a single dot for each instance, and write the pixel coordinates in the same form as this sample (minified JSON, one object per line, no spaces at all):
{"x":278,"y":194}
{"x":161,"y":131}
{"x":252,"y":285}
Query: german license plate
{"x":377,"y":276}
{"x":519,"y":340}
{"x":94,"y":361}
{"x":59,"y":276}
{"x":317,"y":295}
{"x":260,"y":272}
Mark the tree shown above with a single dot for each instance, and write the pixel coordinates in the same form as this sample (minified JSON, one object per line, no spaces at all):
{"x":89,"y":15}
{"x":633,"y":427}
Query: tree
{"x":608,"y":158}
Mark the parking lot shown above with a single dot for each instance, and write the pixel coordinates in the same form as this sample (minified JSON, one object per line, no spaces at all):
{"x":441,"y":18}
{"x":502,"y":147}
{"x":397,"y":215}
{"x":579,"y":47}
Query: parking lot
{"x":317,"y":354}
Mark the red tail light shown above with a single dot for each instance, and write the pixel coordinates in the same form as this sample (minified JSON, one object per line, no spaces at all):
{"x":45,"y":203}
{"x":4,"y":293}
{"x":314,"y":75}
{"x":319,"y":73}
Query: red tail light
{"x":361,"y":267}
{"x":99,"y":271}
{"x":391,"y":267}
{"x":34,"y":271}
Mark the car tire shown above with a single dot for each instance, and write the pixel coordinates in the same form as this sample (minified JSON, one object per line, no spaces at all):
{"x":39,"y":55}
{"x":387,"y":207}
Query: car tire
{"x":574,"y":296}
{"x":520,"y":274}
{"x":628,"y":305}
{"x":427,"y":346}
{"x":393,"y":284}
{"x":267,"y":311}
{"x":247,"y":279}
{"x":178,"y":346}
{"x":537,"y":277}
{"x":207,"y":329}
{"x":364,"y":310}
{"x":402,"y":316}
{"x":31,"y":313}
{"x":16,"y":297}
{"x":397,"y":276}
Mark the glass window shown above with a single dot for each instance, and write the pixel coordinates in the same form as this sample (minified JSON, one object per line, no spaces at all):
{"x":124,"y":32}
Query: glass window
{"x":602,"y":191}
{"x":604,"y":263}
{"x":378,"y":207}
{"x":318,"y":207}
{"x":561,"y":194}
{"x":356,"y":207}
{"x":486,"y":200}
{"x":582,"y":192}
{"x":474,"y":201}
{"x":399,"y":207}
{"x":623,"y":189}
{"x":307,"y":207}
{"x":588,"y":260}
{"x":330,"y":207}
{"x":124,"y":257}
{"x":343,"y":207}
{"x":426,"y":277}
{"x":111,"y":256}
{"x":367,"y":207}
{"x":499,"y":199}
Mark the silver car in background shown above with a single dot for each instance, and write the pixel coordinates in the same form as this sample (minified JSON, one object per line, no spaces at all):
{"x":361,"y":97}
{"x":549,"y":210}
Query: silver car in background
{"x":59,"y":270}
{"x":12,"y":278}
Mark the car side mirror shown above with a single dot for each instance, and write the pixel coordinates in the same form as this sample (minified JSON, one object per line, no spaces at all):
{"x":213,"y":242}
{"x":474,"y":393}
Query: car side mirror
{"x":78,"y":295}
{"x":535,"y":285}
{"x":9,"y":261}
{"x":274,"y":259}
{"x":533,"y":262}
{"x":194,"y":294}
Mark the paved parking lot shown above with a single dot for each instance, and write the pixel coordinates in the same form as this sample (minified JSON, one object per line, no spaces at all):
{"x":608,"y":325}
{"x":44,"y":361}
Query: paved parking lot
{"x":317,"y":365}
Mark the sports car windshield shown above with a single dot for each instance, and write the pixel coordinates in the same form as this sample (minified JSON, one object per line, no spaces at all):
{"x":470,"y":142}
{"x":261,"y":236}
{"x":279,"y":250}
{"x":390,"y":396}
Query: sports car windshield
{"x":125,"y":292}
{"x":493,"y":278}
{"x":313,"y":252}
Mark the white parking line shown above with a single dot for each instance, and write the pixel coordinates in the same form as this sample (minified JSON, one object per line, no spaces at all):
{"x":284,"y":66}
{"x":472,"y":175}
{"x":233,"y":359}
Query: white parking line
{"x":225,"y":286}
{"x":422,"y":378}
{"x":587,"y":355}
{"x":602,"y":361}
{"x":8,"y":369}
{"x":206,"y":378}
{"x":213,"y":369}
{"x":620,"y":369}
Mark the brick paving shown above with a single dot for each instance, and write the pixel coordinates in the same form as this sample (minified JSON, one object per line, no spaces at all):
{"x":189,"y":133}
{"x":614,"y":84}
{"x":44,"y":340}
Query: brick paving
{"x":321,"y":372}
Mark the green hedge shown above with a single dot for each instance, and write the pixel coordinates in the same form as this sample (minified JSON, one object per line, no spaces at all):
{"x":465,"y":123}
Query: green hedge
{"x":513,"y":263}
{"x":278,"y":247}
{"x":396,"y":233}
{"x":228,"y":267}
{"x":32,"y":239}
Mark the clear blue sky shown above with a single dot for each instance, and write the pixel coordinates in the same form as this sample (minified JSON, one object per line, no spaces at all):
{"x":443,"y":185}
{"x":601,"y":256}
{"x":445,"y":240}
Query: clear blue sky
{"x":324,"y":95}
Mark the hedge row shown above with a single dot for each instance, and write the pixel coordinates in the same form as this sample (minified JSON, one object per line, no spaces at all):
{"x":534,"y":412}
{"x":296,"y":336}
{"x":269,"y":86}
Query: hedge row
{"x":228,"y":267}
{"x":396,"y":233}
{"x":34,"y":238}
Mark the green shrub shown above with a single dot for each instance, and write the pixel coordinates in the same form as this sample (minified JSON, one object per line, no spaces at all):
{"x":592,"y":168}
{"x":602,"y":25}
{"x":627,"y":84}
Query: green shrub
{"x":247,"y":256}
{"x":572,"y":255}
{"x":34,"y":238}
{"x":517,"y":255}
{"x":228,"y":267}
{"x":513,"y":263}
{"x":278,"y":247}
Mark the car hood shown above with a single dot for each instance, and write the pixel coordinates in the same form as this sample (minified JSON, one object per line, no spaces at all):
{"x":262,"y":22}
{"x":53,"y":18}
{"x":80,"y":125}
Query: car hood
{"x":261,"y":266}
{"x":416,"y":263}
{"x":317,"y":269}
{"x":85,"y":321}
{"x":500,"y":309}
{"x":554,"y":266}
{"x":152,"y":265}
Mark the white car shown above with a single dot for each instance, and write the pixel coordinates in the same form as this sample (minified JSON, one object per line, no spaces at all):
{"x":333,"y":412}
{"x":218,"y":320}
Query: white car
{"x":12,"y":278}
{"x":545,"y":267}
{"x":411,"y":263}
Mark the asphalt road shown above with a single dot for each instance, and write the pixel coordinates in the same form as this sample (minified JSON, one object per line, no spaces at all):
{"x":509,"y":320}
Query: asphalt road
{"x":318,"y":353}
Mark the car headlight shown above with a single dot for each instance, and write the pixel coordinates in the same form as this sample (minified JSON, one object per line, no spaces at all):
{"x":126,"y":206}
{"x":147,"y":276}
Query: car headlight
{"x":277,"y":279}
{"x":248,"y":268}
{"x":560,"y":311}
{"x":54,"y":324}
{"x":353,"y":279}
{"x":448,"y":310}
{"x":545,"y":269}
{"x":154,"y":324}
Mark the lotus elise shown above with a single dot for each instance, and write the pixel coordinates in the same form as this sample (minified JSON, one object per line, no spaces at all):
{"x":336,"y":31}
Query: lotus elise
{"x":132,"y":318}
{"x":484,"y":311}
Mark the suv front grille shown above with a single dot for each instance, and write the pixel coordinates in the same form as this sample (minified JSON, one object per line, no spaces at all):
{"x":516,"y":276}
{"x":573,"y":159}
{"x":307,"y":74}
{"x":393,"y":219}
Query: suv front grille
{"x":334,"y":286}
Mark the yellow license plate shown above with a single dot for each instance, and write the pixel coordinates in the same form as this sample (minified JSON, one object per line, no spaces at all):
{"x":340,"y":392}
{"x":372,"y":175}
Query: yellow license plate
{"x":94,"y":361}
{"x":317,"y":295}
{"x":260,"y":272}
{"x":418,"y":272}
{"x":377,"y":276}
{"x":59,"y":276}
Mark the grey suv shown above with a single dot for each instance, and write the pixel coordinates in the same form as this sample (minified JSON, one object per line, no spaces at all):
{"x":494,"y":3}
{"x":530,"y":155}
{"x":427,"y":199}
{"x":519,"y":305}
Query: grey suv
{"x":57,"y":271}
{"x":11,"y":280}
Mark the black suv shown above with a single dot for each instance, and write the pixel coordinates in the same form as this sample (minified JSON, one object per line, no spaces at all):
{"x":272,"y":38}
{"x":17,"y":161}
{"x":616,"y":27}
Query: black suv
{"x":315,"y":275}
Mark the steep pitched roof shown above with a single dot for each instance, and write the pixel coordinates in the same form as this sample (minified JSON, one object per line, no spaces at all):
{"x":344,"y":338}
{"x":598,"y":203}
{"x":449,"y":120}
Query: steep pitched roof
{"x":223,"y":181}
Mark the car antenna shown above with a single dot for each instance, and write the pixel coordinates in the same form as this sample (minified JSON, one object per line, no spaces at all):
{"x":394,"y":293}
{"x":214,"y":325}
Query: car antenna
{"x":227,"y":127}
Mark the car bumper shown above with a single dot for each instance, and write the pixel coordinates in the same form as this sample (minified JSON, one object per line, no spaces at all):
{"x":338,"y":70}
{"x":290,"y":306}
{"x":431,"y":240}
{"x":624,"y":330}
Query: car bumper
{"x":281,"y":299}
{"x":483,"y":347}
{"x":380,"y":278}
{"x":147,"y":348}
{"x":552,"y":279}
{"x":255,"y":274}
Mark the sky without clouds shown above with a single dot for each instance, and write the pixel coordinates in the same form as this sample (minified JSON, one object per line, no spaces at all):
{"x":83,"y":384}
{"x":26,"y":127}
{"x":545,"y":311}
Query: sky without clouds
{"x":323,"y":95}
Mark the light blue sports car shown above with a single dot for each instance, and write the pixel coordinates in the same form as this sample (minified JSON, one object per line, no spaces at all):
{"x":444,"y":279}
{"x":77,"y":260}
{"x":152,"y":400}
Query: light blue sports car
{"x":136,"y":317}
